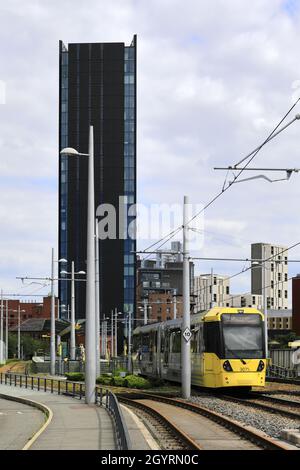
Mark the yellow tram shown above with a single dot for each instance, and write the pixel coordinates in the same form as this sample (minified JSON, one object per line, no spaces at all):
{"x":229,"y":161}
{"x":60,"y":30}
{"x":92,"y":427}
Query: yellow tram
{"x":227,"y":349}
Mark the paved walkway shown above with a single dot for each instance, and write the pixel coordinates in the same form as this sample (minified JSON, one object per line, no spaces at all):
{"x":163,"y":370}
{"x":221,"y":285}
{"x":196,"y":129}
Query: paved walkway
{"x":18,"y":423}
{"x":74,"y":426}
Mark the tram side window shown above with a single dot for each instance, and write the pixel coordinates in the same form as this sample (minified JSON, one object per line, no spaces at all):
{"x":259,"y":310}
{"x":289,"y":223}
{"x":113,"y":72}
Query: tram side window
{"x":212,"y":338}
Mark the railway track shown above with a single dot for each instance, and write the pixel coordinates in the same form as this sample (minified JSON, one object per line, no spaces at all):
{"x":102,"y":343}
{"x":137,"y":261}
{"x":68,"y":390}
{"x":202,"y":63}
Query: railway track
{"x":244,"y":435}
{"x":281,"y":406}
{"x":168,"y":435}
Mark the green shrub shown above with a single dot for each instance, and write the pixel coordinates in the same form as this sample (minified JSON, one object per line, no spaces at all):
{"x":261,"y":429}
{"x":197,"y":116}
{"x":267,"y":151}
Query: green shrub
{"x":104,"y":379}
{"x":75,"y":376}
{"x":118,"y":381}
{"x":118,"y":371}
{"x":134,"y":381}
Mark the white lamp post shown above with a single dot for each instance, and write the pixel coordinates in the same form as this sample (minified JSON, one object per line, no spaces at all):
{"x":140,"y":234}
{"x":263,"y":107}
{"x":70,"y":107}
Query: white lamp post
{"x":90,"y":337}
{"x":73,"y":314}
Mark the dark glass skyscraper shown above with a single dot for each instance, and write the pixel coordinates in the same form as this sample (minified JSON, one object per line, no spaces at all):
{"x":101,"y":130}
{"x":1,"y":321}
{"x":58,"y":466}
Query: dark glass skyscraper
{"x":97,"y":86}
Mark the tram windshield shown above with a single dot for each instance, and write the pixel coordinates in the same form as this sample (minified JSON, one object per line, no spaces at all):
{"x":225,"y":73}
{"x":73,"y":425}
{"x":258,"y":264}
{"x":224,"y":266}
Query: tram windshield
{"x":243,"y":336}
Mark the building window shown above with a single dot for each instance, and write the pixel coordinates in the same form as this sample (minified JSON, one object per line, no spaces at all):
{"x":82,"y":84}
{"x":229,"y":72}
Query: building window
{"x":285,"y":294}
{"x":227,"y":290}
{"x":279,"y":294}
{"x":272,"y":250}
{"x":272,"y":284}
{"x":285,"y":277}
{"x":279,"y":276}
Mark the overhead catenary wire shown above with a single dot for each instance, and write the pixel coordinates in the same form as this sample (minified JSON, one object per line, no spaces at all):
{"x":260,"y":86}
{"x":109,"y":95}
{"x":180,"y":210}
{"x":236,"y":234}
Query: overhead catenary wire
{"x":251,"y":157}
{"x":262,"y":263}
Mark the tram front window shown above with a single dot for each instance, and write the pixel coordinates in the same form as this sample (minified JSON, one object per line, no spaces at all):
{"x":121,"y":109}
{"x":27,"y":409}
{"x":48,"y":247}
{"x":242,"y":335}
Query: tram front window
{"x":243,"y":336}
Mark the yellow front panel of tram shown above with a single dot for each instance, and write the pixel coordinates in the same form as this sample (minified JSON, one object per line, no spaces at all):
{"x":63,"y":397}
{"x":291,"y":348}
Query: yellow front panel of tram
{"x":241,"y":374}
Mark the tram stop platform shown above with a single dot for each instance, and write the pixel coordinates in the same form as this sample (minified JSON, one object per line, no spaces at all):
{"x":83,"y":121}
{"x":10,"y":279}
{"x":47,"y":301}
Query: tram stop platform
{"x":74,"y":425}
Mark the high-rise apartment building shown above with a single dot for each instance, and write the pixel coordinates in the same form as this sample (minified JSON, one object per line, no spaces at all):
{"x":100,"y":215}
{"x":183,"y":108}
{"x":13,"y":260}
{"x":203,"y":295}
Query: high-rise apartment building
{"x":211,"y":290}
{"x":97,"y":86}
{"x":276,"y":274}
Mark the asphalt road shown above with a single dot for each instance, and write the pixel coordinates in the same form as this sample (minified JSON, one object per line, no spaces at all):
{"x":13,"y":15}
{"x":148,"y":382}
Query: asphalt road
{"x":18,"y":423}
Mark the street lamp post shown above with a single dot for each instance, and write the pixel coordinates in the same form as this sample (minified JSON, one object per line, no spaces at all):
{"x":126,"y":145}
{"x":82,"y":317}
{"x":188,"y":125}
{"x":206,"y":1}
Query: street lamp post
{"x":129,"y":342}
{"x":97,"y":300}
{"x":6,"y":332}
{"x":73,"y":313}
{"x":90,"y":337}
{"x":1,"y":330}
{"x":116,"y":333}
{"x":174,"y":305}
{"x":52,"y":321}
{"x":19,"y":328}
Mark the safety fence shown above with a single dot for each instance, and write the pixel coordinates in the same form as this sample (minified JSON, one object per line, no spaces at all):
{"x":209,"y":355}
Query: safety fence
{"x":103,"y":398}
{"x":275,"y":371}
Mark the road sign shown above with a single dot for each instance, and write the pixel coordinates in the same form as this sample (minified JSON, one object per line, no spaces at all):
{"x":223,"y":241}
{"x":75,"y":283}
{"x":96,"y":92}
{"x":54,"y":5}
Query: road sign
{"x":187,"y":334}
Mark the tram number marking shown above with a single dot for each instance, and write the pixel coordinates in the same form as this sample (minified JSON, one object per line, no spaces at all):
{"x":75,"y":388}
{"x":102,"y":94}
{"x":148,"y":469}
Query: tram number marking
{"x":187,"y":334}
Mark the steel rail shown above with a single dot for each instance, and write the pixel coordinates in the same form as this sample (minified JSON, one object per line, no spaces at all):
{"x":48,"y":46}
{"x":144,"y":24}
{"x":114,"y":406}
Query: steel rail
{"x":178,"y":434}
{"x":245,"y":431}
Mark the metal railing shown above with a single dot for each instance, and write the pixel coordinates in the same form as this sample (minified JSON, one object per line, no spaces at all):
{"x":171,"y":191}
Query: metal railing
{"x":122,"y":434}
{"x":281,"y":372}
{"x":103,"y":398}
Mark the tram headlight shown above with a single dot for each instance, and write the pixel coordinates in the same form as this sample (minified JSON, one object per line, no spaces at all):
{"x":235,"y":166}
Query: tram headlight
{"x":261,"y":366}
{"x":227,"y":366}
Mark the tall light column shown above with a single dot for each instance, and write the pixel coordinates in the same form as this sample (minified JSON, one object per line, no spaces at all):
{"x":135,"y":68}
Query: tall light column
{"x":72,"y":338}
{"x":52,"y":321}
{"x":1,"y":331}
{"x":6,"y":332}
{"x":97,"y":300}
{"x":263,"y":292}
{"x":116,"y":332}
{"x":185,"y":331}
{"x":19,"y":331}
{"x":129,"y":342}
{"x":112,"y":334}
{"x":90,"y":346}
{"x":145,"y":312}
{"x":174,"y":305}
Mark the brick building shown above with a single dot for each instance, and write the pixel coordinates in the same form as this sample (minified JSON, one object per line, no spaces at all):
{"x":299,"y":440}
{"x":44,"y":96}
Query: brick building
{"x":28,"y":310}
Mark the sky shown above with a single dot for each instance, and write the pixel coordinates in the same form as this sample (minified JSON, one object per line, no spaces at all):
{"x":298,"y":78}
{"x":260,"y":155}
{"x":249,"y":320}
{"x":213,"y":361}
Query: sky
{"x":214,"y":78}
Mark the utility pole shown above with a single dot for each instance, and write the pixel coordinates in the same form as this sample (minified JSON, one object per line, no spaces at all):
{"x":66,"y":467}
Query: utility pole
{"x":19,"y":331}
{"x":97,"y":300}
{"x":129,"y":342}
{"x":1,"y":331}
{"x":73,"y":338}
{"x":263,"y":291}
{"x":212,"y":288}
{"x":112,"y":334}
{"x":145,"y":311}
{"x":174,"y":305}
{"x":116,"y":332}
{"x":6,"y":332}
{"x":52,"y":333}
{"x":186,"y":321}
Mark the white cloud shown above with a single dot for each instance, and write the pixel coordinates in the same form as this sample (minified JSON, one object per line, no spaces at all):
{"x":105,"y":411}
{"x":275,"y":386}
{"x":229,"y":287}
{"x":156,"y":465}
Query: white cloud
{"x":214,"y":77}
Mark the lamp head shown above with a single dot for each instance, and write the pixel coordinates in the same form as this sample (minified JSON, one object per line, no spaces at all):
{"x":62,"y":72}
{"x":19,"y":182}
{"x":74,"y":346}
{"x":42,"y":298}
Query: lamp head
{"x":68,"y":151}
